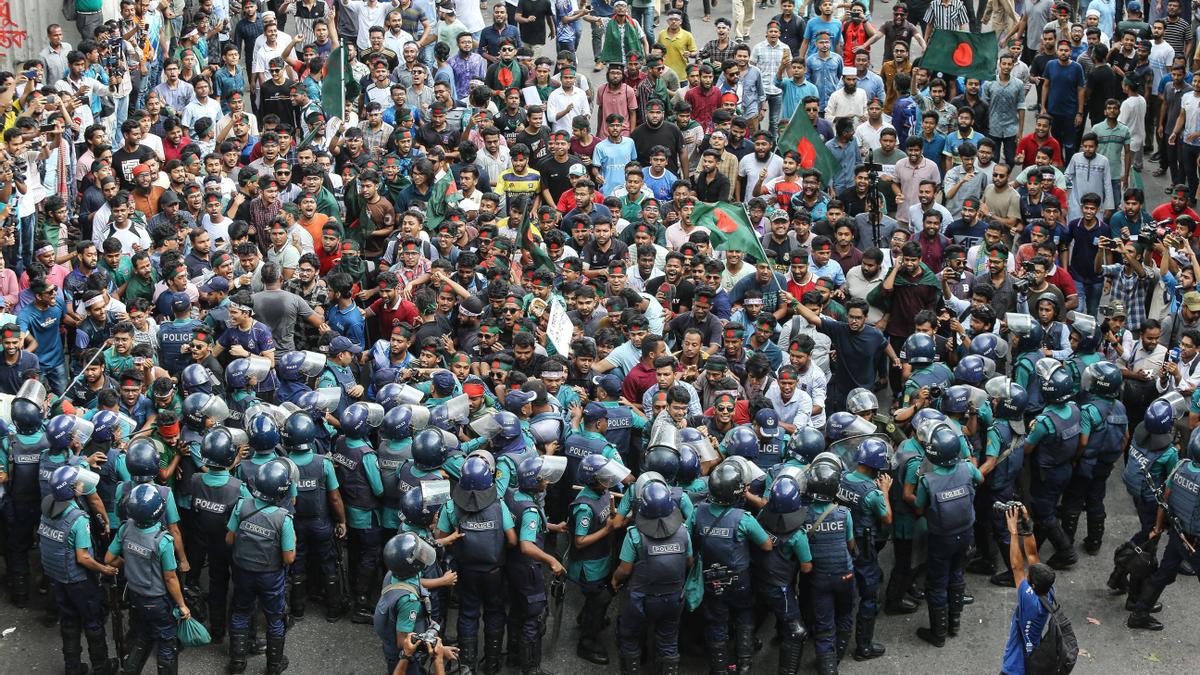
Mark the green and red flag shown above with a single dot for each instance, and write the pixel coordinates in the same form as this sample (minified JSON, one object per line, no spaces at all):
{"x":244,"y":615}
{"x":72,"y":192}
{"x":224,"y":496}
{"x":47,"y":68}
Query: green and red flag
{"x":799,"y":135}
{"x":962,"y":54}
{"x":443,"y":196}
{"x":339,"y":89}
{"x":531,"y":243}
{"x":729,"y":228}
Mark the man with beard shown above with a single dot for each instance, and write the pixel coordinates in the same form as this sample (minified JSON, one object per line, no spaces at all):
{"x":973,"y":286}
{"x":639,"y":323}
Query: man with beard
{"x":783,"y":187}
{"x":770,"y":284}
{"x":700,"y":318}
{"x":588,"y":311}
{"x":87,"y":259}
{"x":757,"y":168}
{"x":655,"y":131}
{"x":673,"y":273}
{"x":16,"y":361}
{"x":84,"y":392}
{"x":909,"y":287}
{"x":214,"y":304}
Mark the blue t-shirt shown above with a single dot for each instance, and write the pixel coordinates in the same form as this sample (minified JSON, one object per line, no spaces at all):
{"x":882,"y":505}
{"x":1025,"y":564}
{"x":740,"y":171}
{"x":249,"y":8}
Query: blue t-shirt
{"x":1029,"y":618}
{"x":1064,"y":83}
{"x":44,"y":325}
{"x":815,"y":27}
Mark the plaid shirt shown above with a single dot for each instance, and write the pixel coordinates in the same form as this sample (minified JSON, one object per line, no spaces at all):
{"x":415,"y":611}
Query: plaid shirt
{"x":718,"y":55}
{"x":1131,"y":290}
{"x":768,"y":59}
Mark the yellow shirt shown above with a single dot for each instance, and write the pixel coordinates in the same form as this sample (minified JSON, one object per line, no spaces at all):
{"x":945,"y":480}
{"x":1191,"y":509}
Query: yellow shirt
{"x":676,"y":46}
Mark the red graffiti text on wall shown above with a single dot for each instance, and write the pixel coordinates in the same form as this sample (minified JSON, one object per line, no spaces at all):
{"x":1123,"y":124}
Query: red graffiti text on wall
{"x":11,"y":34}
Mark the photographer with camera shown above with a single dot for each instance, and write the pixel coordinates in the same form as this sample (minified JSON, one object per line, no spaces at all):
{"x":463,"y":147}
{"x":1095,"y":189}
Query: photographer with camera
{"x":1034,"y":582}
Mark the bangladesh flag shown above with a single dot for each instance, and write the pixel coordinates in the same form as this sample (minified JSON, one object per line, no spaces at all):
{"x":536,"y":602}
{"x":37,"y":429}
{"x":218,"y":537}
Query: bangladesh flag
{"x":531,"y":243}
{"x":729,"y":228}
{"x":443,"y":196}
{"x":799,"y":135}
{"x":962,"y":54}
{"x":339,"y":87}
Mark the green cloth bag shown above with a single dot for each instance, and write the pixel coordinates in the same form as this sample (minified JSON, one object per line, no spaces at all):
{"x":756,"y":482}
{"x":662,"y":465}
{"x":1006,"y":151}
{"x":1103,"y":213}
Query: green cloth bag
{"x":192,"y":633}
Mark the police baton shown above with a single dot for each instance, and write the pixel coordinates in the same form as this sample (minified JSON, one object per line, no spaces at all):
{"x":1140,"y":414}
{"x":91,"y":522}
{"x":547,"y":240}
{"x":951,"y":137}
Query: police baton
{"x":74,"y":380}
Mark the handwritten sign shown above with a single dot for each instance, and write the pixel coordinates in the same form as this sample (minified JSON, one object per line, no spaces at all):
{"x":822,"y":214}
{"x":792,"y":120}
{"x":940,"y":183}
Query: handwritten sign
{"x":559,"y":329}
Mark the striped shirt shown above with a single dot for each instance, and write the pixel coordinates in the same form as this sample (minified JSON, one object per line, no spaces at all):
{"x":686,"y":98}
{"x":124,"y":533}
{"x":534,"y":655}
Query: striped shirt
{"x":947,"y":15}
{"x":1176,"y":34}
{"x":768,"y":60}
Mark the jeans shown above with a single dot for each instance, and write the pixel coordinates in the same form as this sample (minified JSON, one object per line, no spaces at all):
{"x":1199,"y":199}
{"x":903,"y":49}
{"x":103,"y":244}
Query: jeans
{"x":774,"y":111}
{"x":56,"y":377}
{"x":1063,"y":128}
{"x":1089,"y":293}
{"x":645,"y":17}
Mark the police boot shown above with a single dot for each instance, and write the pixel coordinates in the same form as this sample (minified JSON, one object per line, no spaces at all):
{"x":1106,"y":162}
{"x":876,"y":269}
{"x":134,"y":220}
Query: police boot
{"x":531,"y":658}
{"x":590,"y":647}
{"x":842,"y":644}
{"x":1118,"y":579}
{"x":277,"y":661}
{"x":668,"y":665}
{"x":982,"y":564}
{"x":298,"y":599}
{"x":18,"y":588}
{"x":239,"y":646}
{"x":1142,"y":616}
{"x":867,"y":648}
{"x":493,"y":644}
{"x":935,"y":634}
{"x":895,"y":601}
{"x":1064,"y":556}
{"x":827,"y":664}
{"x":745,"y":648}
{"x":718,"y":658}
{"x":363,"y":611}
{"x":468,"y":654}
{"x":98,"y":653}
{"x":513,"y":659}
{"x":1003,"y":578}
{"x":1070,"y":523}
{"x":791,"y":648}
{"x":72,"y":649}
{"x":954,"y":618}
{"x":1095,"y":533}
{"x":631,"y":664}
{"x":139,"y":653}
{"x":1137,"y":588}
{"x":335,"y":604}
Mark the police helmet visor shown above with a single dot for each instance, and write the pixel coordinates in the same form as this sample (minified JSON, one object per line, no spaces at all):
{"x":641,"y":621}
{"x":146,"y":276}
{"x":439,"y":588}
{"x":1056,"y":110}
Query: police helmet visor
{"x":313,"y":363}
{"x":83,"y":430}
{"x":258,"y":368}
{"x":1045,"y":367}
{"x":239,"y":437}
{"x":1082,"y":323}
{"x":1178,"y":403}
{"x":795,"y":473}
{"x":410,"y":394}
{"x":664,"y":433}
{"x":847,"y":448}
{"x":487,"y":426}
{"x":434,"y":493}
{"x":749,"y":470}
{"x":612,"y":473}
{"x":1019,"y":324}
{"x":215,"y":409}
{"x":33,"y":391}
{"x":88,"y":479}
{"x":861,"y":400}
{"x":458,"y":409}
{"x":553,"y":468}
{"x":328,"y":398}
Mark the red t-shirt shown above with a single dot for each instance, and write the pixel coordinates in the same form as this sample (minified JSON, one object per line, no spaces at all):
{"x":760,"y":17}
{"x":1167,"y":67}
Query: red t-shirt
{"x":639,"y":379}
{"x":1166,"y":212}
{"x":405,"y":312}
{"x":1029,"y":145}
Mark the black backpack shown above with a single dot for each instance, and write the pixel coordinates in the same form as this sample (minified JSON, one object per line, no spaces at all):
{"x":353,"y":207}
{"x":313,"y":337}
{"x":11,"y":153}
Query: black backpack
{"x":1057,"y":652}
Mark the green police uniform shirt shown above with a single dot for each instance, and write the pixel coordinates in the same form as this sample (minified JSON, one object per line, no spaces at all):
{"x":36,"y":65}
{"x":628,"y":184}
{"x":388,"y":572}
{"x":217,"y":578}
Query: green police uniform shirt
{"x":80,"y":536}
{"x":361,"y":519}
{"x":448,"y":519}
{"x":747,"y":529}
{"x":408,"y":607}
{"x":166,"y":545}
{"x":389,"y":515}
{"x":532,"y":520}
{"x":587,"y":570}
{"x":287,"y":534}
{"x":874,"y":502}
{"x":1044,"y":428}
{"x":625,"y":506}
{"x":923,"y":490}
{"x":632,"y":546}
{"x":798,"y":545}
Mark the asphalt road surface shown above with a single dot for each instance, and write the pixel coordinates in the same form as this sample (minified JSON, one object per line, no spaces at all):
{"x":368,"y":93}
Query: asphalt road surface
{"x":1106,"y":645}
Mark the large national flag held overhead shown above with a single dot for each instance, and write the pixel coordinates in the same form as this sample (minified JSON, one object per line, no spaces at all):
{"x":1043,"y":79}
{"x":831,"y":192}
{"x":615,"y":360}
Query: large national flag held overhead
{"x":962,"y":54}
{"x":338,"y":88}
{"x":799,"y":135}
{"x":729,"y":228}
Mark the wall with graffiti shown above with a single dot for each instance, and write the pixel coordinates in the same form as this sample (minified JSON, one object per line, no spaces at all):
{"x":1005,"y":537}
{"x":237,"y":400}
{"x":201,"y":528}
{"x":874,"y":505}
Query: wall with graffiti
{"x":23,"y":26}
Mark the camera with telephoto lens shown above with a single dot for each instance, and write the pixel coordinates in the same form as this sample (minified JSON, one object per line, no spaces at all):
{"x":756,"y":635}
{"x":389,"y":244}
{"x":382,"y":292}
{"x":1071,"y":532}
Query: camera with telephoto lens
{"x":936,"y":391}
{"x":1021,"y":284}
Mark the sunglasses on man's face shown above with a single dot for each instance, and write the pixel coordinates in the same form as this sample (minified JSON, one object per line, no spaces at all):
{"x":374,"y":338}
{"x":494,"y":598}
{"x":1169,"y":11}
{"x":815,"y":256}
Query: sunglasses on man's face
{"x":724,"y":408}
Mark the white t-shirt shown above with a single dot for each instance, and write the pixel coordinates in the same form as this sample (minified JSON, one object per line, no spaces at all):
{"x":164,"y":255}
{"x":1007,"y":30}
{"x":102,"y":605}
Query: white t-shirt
{"x":369,"y":16}
{"x":197,"y":111}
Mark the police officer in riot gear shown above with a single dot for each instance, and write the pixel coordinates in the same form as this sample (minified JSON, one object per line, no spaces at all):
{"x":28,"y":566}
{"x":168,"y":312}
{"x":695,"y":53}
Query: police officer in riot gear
{"x":1152,"y":457}
{"x":25,"y":450}
{"x":654,"y":565}
{"x":591,"y":527}
{"x":526,"y":586}
{"x":141,"y":460}
{"x":481,"y":528}
{"x":395,"y":448}
{"x":865,"y":404}
{"x":1000,"y":464}
{"x":510,"y":447}
{"x":319,"y":517}
{"x":905,"y":521}
{"x":403,"y":608}
{"x":830,"y":530}
{"x":775,"y":570}
{"x":1181,"y":493}
{"x":357,"y":471}
{"x":211,"y":500}
{"x":65,"y":544}
{"x":419,"y":508}
{"x":144,"y":549}
{"x":1058,"y":435}
{"x":865,"y":492}
{"x":946,"y":497}
{"x":726,"y":533}
{"x":1026,"y":337}
{"x":920,"y":352}
{"x":1101,"y":401}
